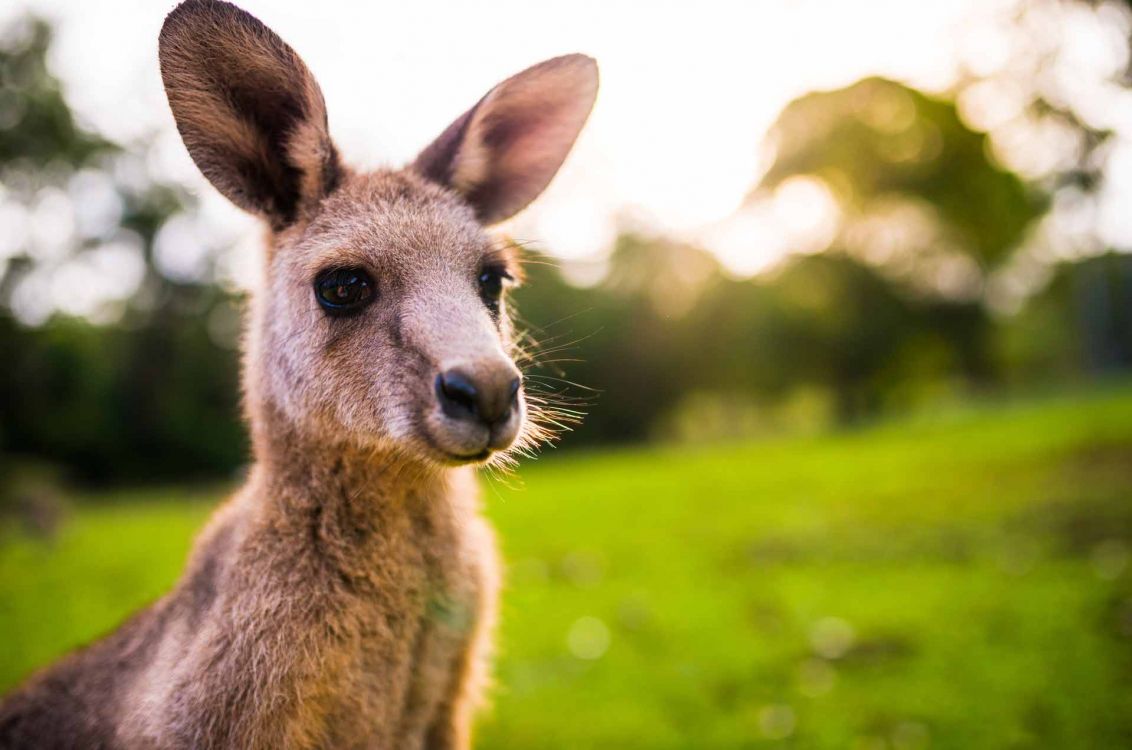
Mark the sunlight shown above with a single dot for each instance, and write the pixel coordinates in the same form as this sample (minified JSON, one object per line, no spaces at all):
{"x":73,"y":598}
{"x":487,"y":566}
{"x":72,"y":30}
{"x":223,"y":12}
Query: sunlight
{"x":675,"y":140}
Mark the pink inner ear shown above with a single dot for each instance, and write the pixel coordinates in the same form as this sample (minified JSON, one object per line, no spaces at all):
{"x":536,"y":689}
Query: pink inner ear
{"x":520,"y":134}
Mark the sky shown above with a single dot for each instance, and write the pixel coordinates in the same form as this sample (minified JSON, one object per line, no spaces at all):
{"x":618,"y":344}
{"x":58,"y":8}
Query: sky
{"x":675,"y":142}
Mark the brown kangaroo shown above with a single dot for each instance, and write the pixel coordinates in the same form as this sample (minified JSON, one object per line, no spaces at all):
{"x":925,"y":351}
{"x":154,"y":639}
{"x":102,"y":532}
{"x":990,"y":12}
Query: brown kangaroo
{"x":343,"y":598}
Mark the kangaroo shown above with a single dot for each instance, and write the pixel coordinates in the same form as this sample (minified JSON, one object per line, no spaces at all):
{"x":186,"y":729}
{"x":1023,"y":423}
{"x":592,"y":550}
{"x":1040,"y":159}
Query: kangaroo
{"x":344,"y":596}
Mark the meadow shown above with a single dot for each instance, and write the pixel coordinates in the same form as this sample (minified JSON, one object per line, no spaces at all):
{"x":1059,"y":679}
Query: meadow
{"x":955,"y":580}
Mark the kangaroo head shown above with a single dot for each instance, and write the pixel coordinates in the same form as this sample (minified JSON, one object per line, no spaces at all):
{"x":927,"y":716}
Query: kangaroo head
{"x":382,"y":320}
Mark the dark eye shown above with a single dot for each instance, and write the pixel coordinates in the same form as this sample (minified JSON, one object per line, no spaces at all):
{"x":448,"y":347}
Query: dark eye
{"x":492,"y":281}
{"x":343,"y":291}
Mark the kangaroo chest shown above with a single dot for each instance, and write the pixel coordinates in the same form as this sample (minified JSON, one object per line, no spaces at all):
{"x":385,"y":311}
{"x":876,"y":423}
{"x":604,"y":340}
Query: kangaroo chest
{"x":315,"y":639}
{"x":409,"y":623}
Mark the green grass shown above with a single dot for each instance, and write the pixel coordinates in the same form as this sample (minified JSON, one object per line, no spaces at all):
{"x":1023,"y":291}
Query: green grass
{"x":956,"y":582}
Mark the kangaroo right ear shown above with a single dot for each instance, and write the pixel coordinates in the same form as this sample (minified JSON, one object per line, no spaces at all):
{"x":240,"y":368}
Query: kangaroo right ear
{"x":502,"y":153}
{"x":248,"y":109}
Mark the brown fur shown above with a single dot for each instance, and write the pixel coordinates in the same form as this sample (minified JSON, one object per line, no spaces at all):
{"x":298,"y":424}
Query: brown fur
{"x":344,"y":596}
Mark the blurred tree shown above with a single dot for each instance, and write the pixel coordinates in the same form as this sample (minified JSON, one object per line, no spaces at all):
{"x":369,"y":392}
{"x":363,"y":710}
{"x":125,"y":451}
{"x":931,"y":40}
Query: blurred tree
{"x":1079,"y":324}
{"x":666,"y":323}
{"x":36,"y":124}
{"x":879,"y":141}
{"x":608,"y":345}
{"x":150,"y":390}
{"x":1070,"y":98}
{"x":919,"y":199}
{"x":824,"y":320}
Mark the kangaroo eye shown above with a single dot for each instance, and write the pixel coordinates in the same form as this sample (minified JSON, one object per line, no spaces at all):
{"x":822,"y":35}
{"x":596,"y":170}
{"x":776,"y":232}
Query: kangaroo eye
{"x":491,"y":286}
{"x":343,"y":291}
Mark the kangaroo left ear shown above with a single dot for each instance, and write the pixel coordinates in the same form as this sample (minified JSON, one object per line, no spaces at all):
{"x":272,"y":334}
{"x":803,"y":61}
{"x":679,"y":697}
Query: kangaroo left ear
{"x":504,"y":151}
{"x":249,"y":111}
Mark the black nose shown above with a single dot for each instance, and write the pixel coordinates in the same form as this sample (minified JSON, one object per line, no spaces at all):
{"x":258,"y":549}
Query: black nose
{"x":461,"y":397}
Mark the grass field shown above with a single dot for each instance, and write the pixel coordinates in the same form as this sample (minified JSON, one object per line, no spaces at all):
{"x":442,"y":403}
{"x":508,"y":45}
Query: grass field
{"x":956,"y":582}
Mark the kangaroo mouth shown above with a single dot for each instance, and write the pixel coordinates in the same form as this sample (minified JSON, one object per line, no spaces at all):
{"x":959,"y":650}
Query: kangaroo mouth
{"x":457,"y":457}
{"x":472,"y":459}
{"x":455,"y":451}
{"x":456,"y":446}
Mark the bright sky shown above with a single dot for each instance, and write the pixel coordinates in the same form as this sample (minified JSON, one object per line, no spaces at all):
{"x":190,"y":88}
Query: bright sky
{"x":675,"y":141}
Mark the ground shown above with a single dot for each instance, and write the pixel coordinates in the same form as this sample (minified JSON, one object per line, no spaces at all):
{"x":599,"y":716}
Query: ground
{"x":957,"y":580}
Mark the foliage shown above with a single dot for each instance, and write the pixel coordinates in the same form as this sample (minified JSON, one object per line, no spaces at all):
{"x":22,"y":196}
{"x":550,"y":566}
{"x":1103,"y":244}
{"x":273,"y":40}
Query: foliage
{"x":36,"y":123}
{"x":1079,"y":326}
{"x":958,"y":582}
{"x":653,"y":333}
{"x":152,"y":391}
{"x":143,"y":402}
{"x":878,"y":140}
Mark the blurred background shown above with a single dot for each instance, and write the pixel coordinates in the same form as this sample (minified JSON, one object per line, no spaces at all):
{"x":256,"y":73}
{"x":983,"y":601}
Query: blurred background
{"x":844,"y":289}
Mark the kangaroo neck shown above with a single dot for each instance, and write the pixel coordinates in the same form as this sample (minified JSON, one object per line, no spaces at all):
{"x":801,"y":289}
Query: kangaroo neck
{"x":338,"y":496}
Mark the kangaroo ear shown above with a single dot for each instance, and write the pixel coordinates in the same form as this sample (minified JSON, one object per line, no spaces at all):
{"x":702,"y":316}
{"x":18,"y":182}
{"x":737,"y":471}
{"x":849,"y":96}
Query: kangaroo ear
{"x":249,"y":111}
{"x":504,"y":151}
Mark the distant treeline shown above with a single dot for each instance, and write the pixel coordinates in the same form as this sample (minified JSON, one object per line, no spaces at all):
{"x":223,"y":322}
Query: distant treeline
{"x":896,"y":310}
{"x":823,"y":339}
{"x":148,"y":399}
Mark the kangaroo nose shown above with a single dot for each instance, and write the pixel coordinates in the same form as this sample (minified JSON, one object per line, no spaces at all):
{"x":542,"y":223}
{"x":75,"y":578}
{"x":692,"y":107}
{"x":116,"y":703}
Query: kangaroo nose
{"x":461,"y":397}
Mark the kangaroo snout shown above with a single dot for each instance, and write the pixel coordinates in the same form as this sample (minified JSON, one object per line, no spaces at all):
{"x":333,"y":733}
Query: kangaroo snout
{"x":480,"y":408}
